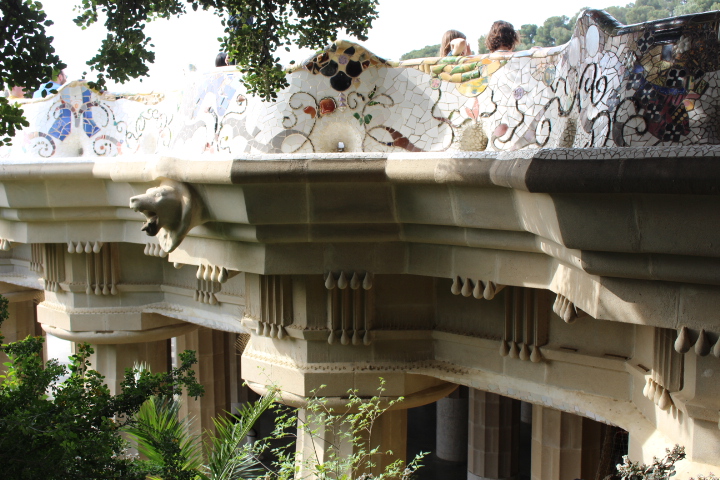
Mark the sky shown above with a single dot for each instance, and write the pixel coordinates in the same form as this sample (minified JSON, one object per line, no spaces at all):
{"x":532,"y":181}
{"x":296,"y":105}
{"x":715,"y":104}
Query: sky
{"x":403,"y":25}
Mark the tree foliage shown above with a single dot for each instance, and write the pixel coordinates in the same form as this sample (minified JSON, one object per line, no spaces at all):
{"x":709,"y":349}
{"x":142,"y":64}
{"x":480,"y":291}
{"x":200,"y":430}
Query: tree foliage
{"x":695,"y":6}
{"x":27,"y":57}
{"x":555,"y":31}
{"x":527,"y":36}
{"x":58,"y":429}
{"x":254,"y":31}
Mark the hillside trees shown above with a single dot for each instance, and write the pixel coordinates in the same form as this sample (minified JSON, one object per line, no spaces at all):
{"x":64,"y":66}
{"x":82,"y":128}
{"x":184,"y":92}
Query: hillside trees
{"x":427,"y":51}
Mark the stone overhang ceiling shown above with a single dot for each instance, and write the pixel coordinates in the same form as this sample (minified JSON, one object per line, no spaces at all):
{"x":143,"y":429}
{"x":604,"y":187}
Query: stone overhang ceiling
{"x":606,"y":228}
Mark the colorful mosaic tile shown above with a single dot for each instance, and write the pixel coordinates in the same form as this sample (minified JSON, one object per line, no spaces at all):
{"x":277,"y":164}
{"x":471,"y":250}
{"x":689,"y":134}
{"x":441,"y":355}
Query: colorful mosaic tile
{"x":653,"y":84}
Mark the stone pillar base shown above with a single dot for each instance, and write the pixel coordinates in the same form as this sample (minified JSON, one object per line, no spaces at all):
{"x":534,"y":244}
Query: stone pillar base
{"x":451,"y":441}
{"x":564,"y":445}
{"x":494,"y":436}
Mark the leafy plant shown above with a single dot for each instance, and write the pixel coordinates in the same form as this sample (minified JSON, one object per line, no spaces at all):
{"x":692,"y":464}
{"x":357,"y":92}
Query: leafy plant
{"x":228,"y":457}
{"x":71,"y":429}
{"x":343,"y":439}
{"x":173,"y":453}
{"x":660,"y":469}
{"x":163,"y":438}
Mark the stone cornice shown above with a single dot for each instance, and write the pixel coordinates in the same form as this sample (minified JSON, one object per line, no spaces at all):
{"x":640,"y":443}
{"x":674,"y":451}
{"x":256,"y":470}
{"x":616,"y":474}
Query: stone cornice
{"x":656,"y":170}
{"x":584,"y":223}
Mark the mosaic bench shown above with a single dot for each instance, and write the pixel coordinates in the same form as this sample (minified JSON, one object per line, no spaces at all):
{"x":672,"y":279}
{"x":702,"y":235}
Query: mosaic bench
{"x":651,"y":84}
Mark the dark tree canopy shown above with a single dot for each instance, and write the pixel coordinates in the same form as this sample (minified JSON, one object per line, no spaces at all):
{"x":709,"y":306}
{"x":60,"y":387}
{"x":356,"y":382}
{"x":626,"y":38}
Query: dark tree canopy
{"x":254,"y":31}
{"x":27,"y":57}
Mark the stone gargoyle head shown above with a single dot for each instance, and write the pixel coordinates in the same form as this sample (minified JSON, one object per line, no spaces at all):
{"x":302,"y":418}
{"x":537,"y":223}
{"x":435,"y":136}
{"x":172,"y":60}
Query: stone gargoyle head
{"x":171,"y":211}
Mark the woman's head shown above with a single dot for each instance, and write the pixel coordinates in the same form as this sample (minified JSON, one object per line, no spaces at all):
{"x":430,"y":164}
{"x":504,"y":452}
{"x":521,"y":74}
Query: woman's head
{"x":448,"y":37}
{"x":502,"y":36}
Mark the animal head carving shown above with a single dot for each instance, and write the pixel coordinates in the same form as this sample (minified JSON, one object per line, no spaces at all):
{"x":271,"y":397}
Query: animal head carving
{"x":171,"y":211}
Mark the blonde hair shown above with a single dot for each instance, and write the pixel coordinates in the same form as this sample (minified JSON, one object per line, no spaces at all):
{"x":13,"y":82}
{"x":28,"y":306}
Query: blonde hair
{"x":448,"y":37}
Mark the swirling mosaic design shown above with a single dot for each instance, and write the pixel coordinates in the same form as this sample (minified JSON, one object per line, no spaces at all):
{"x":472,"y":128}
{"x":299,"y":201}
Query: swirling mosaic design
{"x":652,"y":84}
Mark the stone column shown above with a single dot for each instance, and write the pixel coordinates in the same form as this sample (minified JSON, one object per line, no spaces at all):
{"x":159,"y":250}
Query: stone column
{"x":213,"y":353}
{"x":390,"y":433}
{"x":111,"y":360}
{"x":451,"y":440}
{"x":557,"y":444}
{"x":319,"y":442}
{"x":238,"y":393}
{"x":494,"y":427}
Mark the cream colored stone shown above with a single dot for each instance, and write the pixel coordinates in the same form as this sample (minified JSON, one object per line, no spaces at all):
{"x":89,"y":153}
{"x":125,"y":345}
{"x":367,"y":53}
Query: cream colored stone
{"x":493,"y":436}
{"x":417,"y":222}
{"x":217,"y":358}
{"x":112,"y":360}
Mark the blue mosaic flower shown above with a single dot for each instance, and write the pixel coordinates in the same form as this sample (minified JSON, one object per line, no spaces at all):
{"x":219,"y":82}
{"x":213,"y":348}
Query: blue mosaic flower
{"x":653,"y":112}
{"x":343,"y":63}
{"x":62,"y":126}
{"x":676,"y":78}
{"x":636,"y":79}
{"x":647,"y":94}
{"x":645,"y":41}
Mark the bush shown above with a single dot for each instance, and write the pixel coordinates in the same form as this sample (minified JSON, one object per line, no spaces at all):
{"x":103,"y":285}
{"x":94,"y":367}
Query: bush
{"x":70,"y":429}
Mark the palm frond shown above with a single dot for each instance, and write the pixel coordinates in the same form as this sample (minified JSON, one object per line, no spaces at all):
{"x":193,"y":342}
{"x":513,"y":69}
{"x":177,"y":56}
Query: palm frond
{"x":164,"y":438}
{"x":229,"y":458}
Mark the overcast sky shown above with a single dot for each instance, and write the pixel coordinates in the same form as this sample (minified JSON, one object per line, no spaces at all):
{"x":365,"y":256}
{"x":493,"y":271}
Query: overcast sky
{"x":403,"y":25}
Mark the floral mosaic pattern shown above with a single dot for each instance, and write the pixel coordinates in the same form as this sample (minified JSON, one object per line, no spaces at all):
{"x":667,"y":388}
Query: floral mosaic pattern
{"x":610,"y":86}
{"x":343,"y":63}
{"x":80,"y":122}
